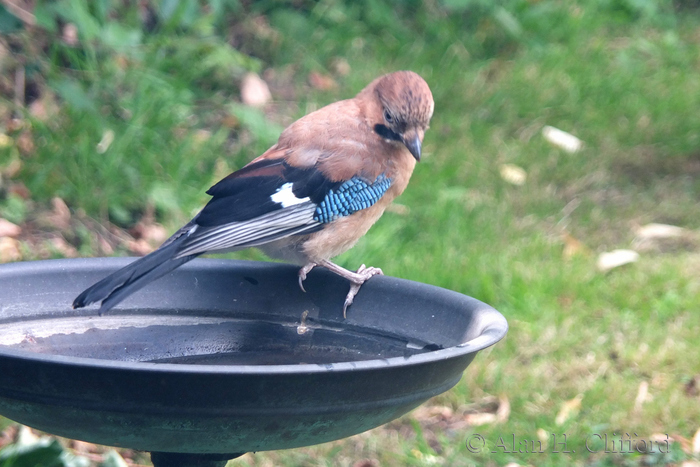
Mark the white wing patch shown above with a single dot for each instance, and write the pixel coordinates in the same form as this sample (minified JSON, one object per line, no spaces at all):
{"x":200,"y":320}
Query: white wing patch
{"x":284,"y":196}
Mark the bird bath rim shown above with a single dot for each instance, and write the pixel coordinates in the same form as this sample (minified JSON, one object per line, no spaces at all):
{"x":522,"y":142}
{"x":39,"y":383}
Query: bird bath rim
{"x":494,"y":329}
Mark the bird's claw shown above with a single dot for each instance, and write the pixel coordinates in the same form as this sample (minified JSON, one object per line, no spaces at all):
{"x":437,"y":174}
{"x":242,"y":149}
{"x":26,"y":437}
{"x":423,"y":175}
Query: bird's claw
{"x":368,"y":272}
{"x":363,"y":274}
{"x":302,"y":275}
{"x":354,"y":288}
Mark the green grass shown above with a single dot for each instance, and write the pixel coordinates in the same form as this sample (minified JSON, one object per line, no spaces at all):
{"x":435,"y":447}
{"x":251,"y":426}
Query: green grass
{"x":620,"y":75}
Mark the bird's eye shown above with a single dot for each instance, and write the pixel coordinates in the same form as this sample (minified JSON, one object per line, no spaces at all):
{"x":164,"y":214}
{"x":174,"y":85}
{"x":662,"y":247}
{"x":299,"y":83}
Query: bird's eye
{"x":388,"y":117}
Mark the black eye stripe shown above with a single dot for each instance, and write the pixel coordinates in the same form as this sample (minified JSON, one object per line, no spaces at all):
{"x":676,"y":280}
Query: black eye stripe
{"x":386,"y":133}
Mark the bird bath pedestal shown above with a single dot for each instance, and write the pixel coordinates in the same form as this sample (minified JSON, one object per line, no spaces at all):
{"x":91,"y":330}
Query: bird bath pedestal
{"x":224,"y":357}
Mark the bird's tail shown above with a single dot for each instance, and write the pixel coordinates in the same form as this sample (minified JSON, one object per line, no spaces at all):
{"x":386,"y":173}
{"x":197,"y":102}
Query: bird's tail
{"x":122,"y":283}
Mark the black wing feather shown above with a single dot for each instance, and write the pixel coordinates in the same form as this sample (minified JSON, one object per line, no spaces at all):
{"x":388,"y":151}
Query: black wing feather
{"x":246,"y":194}
{"x":309,"y":182}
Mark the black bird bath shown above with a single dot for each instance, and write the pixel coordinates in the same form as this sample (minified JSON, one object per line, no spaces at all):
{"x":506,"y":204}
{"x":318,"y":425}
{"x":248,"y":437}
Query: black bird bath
{"x":224,"y":357}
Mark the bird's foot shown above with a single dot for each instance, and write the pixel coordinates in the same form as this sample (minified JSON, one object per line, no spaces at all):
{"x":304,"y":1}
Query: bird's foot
{"x":302,"y":274}
{"x":356,"y":279}
{"x":362,"y":275}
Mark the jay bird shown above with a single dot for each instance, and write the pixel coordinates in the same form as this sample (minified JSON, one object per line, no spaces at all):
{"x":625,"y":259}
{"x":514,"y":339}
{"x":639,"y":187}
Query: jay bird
{"x":308,"y":198}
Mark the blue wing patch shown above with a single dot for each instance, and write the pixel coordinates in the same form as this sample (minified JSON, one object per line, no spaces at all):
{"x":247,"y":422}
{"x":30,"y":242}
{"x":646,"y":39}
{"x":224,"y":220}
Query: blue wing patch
{"x":351,"y":196}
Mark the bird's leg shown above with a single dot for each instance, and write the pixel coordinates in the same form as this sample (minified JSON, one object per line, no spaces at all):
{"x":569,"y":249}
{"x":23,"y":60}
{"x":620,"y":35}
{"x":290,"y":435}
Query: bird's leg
{"x":356,"y":279}
{"x":303,"y":272}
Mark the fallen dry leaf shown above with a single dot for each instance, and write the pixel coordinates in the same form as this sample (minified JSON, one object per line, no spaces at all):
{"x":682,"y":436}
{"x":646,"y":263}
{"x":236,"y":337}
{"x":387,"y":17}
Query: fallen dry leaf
{"x":503,"y":411}
{"x":513,"y":174}
{"x":8,"y":435}
{"x":439,"y":419}
{"x":150,"y":231}
{"x":147,"y":235}
{"x":9,"y":250}
{"x":616,"y":258}
{"x":70,"y":34}
{"x":478,"y":419}
{"x":45,"y":107}
{"x":105,"y":248}
{"x":37,"y":109}
{"x":664,"y":237}
{"x":488,"y":410}
{"x":63,"y":247}
{"x":432,"y":413}
{"x":105,"y":142}
{"x":25,"y":143}
{"x":642,"y":396}
{"x":114,"y":458}
{"x":254,"y":91}
{"x":322,"y":82}
{"x":569,"y":409}
{"x":25,"y":435}
{"x":654,"y":231}
{"x":543,"y":437}
{"x":696,"y":443}
{"x":102,"y":455}
{"x":17,"y":125}
{"x":8,"y":229}
{"x":19,"y":189}
{"x":562,"y":139}
{"x":60,"y":216}
{"x":572,"y":246}
{"x":81,"y":447}
{"x":140,"y":247}
{"x":155,"y":234}
{"x":341,"y":67}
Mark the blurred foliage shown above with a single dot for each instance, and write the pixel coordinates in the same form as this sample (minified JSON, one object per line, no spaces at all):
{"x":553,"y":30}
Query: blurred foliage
{"x":136,"y":73}
{"x":155,"y":74}
{"x":30,"y":450}
{"x":46,"y":452}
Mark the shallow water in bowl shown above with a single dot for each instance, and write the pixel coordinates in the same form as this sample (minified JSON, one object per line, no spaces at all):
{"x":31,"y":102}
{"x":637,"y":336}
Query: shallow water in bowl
{"x":191,"y":339}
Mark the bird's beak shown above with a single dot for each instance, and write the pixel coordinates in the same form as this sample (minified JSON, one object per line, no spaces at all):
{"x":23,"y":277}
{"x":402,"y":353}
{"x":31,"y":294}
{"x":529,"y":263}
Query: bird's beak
{"x":411,"y":139}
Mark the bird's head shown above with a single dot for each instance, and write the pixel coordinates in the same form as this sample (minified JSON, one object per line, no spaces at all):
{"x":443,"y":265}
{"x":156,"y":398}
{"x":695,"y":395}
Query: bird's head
{"x":404,"y":110}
